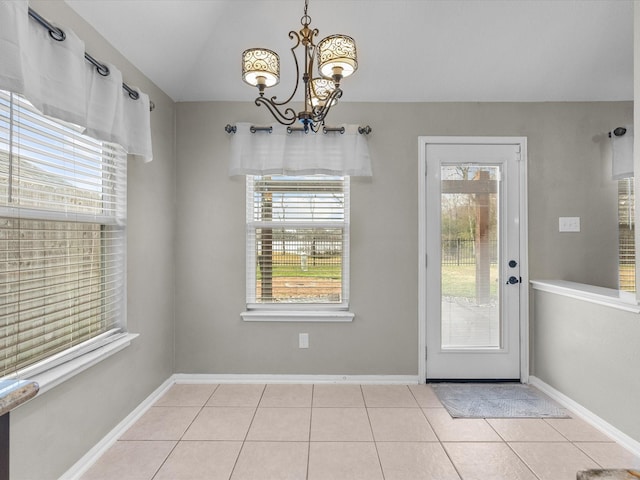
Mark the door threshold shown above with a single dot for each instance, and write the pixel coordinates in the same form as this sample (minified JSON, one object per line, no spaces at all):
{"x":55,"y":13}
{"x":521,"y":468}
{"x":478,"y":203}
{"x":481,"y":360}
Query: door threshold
{"x":473,"y":380}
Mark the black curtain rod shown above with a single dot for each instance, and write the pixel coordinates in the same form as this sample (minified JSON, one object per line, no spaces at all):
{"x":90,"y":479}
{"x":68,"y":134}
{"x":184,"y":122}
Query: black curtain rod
{"x":59,"y":36}
{"x":253,"y":129}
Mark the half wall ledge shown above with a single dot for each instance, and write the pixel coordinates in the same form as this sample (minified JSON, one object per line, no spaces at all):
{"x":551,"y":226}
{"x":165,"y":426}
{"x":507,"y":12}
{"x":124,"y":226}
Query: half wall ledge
{"x":608,"y":297}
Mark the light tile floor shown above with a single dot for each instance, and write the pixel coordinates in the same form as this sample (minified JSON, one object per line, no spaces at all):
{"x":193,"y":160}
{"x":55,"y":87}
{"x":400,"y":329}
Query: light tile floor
{"x":343,"y":432}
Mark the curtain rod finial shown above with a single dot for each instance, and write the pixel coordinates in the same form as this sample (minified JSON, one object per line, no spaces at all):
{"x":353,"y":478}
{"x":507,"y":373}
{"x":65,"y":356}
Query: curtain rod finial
{"x":618,"y":132}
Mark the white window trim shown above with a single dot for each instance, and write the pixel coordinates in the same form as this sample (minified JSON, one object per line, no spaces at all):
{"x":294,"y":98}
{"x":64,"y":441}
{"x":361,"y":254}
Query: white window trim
{"x":297,"y":316}
{"x":310,"y":312}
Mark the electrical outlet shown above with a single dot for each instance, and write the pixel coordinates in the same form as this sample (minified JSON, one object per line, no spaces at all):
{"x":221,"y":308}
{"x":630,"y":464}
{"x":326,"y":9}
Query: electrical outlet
{"x":569,"y":224}
{"x":303,"y":340}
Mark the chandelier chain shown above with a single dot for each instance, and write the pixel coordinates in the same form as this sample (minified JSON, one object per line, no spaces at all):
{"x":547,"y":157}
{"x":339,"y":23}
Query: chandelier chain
{"x":306,"y":19}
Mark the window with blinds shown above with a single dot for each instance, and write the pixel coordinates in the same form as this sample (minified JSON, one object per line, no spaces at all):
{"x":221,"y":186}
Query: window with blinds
{"x":62,"y":240}
{"x":297,"y":241}
{"x":626,"y":236}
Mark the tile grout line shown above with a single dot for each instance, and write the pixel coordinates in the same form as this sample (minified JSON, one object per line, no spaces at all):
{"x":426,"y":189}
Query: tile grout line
{"x":185,"y":431}
{"x":587,"y":454}
{"x":255,"y":412}
{"x":446,"y":452}
{"x":313,"y":392}
{"x":562,"y":434}
{"x":375,"y":443}
{"x":573,"y":442}
{"x":512,"y":450}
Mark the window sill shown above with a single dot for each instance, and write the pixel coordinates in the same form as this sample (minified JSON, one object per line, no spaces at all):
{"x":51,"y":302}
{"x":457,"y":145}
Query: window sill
{"x":589,"y":293}
{"x":297,"y":316}
{"x":56,"y":375}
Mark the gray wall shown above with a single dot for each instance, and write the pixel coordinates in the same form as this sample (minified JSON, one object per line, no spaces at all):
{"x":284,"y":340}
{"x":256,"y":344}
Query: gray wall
{"x":590,"y":353}
{"x":50,"y":433}
{"x":569,"y":165}
{"x":201,"y":219}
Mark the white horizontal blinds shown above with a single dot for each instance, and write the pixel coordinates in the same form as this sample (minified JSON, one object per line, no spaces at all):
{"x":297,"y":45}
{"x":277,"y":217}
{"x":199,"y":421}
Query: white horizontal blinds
{"x":626,"y":235}
{"x":297,"y":239}
{"x":55,"y":168}
{"x":62,"y":237}
{"x":58,"y":287}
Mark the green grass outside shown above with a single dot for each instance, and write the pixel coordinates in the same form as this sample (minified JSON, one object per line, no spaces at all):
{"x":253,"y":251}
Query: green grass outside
{"x":291,"y":266}
{"x":457,"y":280}
{"x":460,"y":280}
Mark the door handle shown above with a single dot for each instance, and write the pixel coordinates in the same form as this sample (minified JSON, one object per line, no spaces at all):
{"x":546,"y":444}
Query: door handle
{"x":513,"y":280}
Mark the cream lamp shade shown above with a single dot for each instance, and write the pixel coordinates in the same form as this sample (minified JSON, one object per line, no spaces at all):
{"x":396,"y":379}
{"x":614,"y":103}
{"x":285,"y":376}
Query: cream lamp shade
{"x":260,"y":67}
{"x":337,"y":56}
{"x":321,"y":88}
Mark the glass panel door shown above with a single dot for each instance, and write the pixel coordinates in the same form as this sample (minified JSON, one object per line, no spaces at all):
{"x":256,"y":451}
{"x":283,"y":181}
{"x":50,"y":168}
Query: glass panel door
{"x":469,"y":205}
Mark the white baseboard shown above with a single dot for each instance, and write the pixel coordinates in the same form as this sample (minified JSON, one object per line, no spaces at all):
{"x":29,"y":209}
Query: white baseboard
{"x":587,"y":415}
{"x":305,"y":379}
{"x":82,"y":465}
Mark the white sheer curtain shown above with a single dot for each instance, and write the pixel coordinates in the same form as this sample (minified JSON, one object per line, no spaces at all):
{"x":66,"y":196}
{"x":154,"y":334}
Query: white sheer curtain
{"x":55,"y":77}
{"x":622,"y":153}
{"x":299,"y":153}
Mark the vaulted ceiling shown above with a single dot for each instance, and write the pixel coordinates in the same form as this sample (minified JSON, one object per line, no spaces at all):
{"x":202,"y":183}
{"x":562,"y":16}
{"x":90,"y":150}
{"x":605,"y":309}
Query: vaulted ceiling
{"x":408,"y":50}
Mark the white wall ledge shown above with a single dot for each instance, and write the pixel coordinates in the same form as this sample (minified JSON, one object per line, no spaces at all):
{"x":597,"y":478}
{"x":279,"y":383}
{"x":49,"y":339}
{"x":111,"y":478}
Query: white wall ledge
{"x":608,"y":297}
{"x":53,"y":377}
{"x":297,"y":316}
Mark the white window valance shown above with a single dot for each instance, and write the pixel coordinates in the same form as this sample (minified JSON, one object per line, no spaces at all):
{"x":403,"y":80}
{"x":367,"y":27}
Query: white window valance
{"x":55,"y":77}
{"x":298,"y":153}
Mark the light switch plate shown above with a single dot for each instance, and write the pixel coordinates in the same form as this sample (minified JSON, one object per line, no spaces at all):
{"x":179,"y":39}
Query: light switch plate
{"x":569,"y":224}
{"x":303,"y":340}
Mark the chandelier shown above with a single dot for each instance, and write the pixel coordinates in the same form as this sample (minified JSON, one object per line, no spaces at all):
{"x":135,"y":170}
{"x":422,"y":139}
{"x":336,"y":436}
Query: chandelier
{"x":336,"y":59}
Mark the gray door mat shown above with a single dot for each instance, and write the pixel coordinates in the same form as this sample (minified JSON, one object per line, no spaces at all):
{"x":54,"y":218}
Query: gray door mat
{"x":496,"y":400}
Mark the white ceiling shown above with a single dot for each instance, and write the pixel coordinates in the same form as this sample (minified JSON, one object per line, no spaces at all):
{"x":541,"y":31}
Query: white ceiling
{"x":408,"y":50}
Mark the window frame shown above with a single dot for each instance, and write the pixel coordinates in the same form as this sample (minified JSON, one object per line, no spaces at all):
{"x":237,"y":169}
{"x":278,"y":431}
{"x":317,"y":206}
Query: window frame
{"x":60,"y":365}
{"x":303,"y":311}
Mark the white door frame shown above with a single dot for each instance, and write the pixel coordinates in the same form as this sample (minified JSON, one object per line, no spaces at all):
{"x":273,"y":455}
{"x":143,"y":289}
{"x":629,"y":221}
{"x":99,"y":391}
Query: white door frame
{"x":422,"y":242}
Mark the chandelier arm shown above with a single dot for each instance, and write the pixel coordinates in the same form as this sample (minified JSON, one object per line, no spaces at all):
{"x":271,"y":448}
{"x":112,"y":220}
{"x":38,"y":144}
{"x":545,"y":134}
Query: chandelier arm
{"x":309,"y":56}
{"x":293,"y":36}
{"x":319,"y":113}
{"x":288,"y":117}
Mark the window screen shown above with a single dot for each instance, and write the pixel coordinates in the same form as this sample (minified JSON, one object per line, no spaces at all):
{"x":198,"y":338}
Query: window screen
{"x":62,"y":238}
{"x":297,"y":240}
